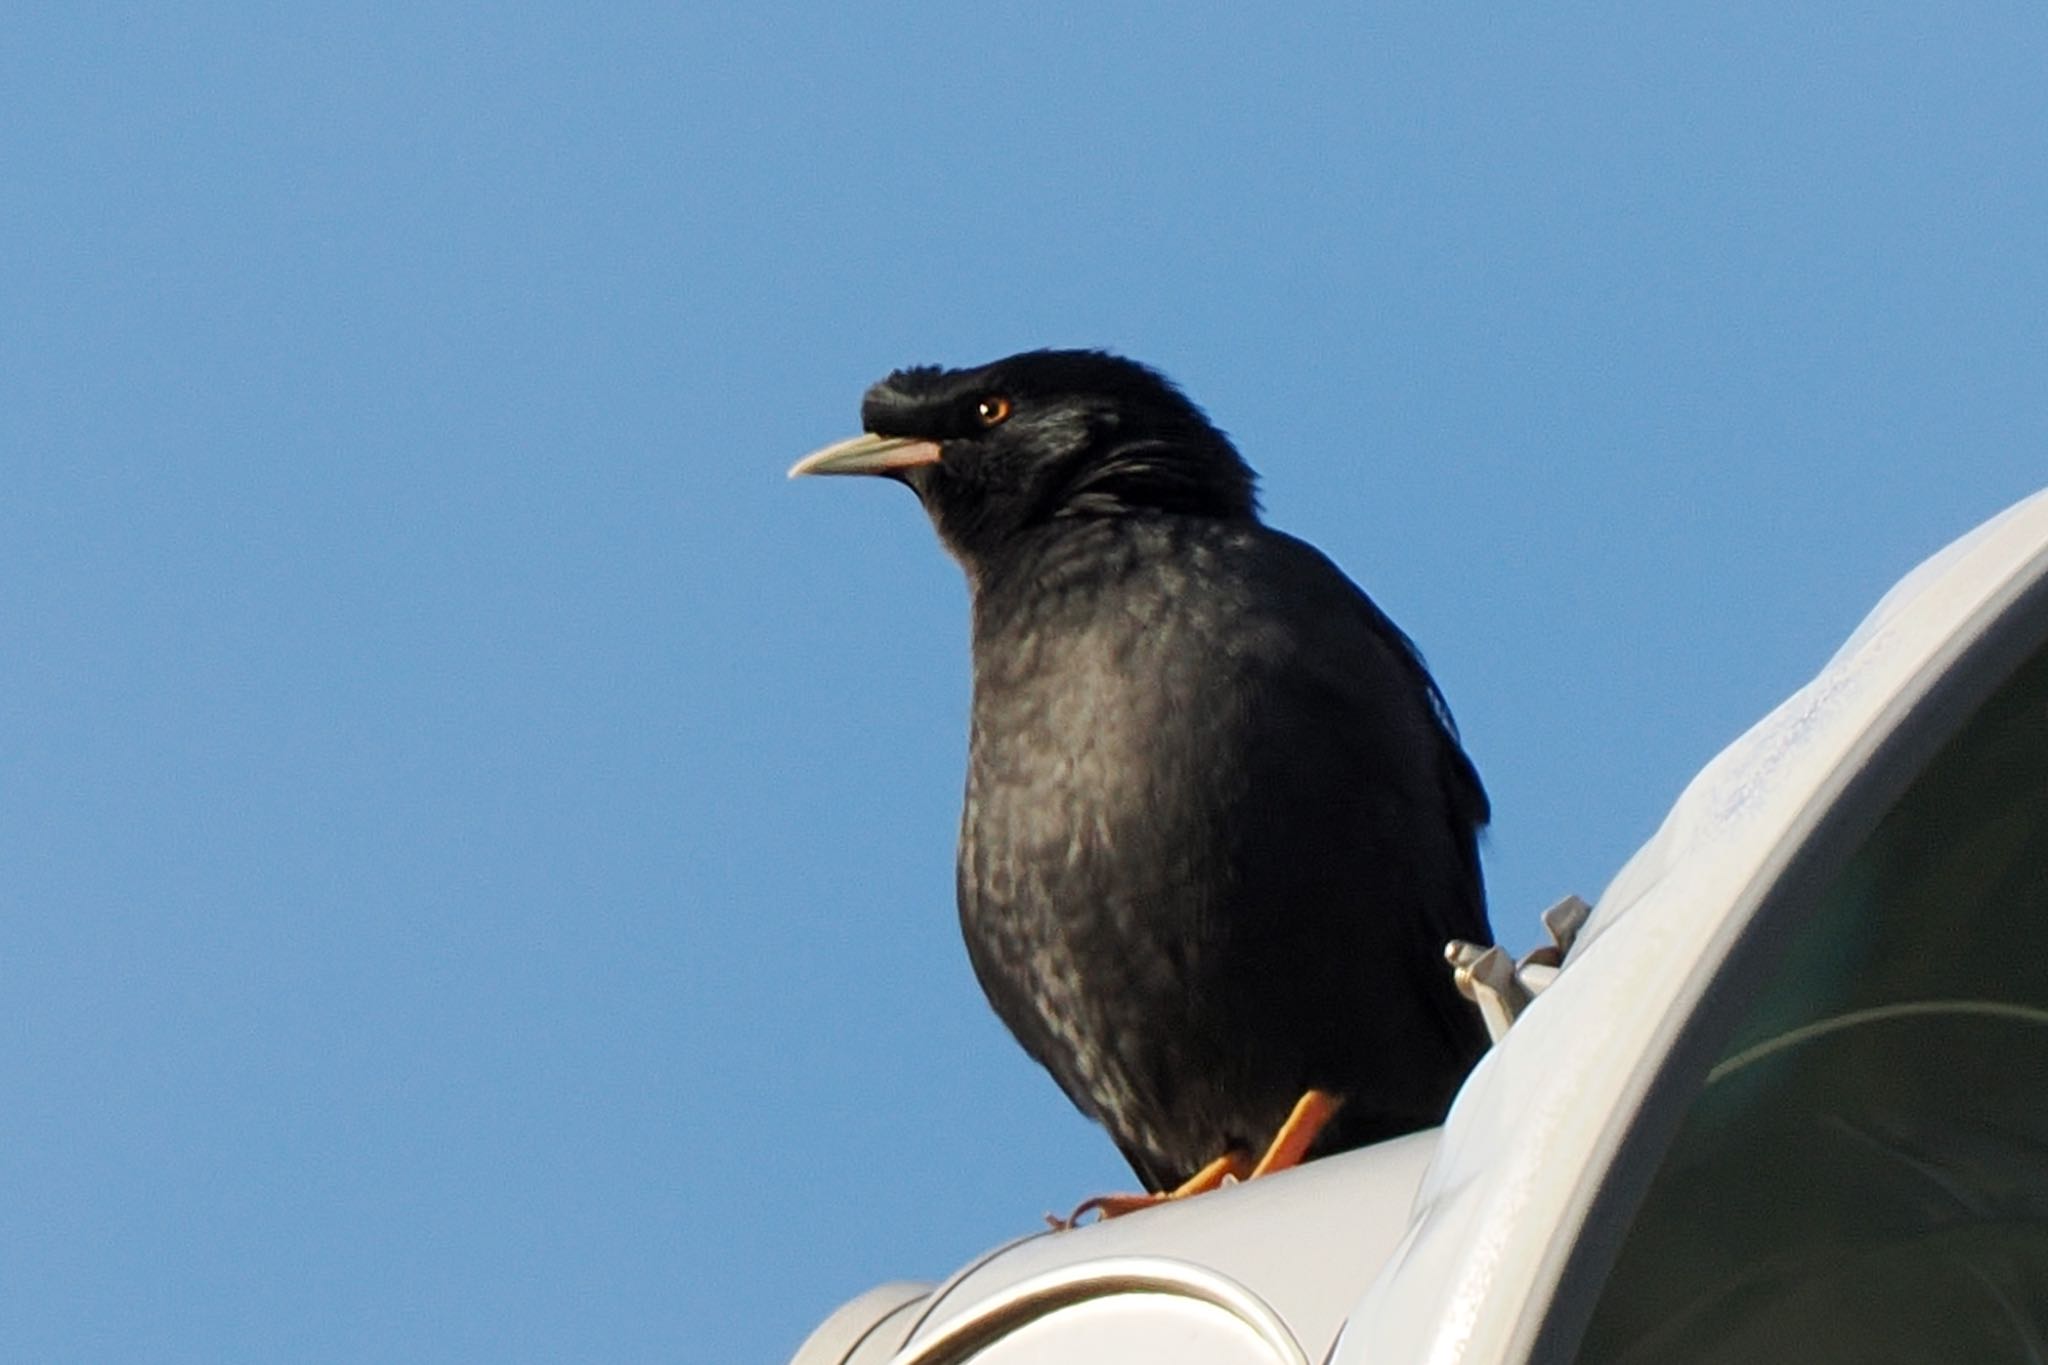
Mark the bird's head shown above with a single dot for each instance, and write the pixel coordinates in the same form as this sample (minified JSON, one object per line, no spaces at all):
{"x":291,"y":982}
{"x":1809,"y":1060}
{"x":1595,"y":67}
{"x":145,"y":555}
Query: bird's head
{"x":998,"y":450}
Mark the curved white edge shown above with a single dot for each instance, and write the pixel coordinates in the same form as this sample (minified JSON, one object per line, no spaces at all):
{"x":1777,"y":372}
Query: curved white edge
{"x":1029,"y":1300}
{"x":835,"y":1340}
{"x":1302,"y":1241}
{"x":1532,"y":1133}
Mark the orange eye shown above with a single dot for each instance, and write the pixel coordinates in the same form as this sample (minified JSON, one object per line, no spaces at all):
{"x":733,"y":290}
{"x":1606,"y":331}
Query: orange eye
{"x":993,"y":410}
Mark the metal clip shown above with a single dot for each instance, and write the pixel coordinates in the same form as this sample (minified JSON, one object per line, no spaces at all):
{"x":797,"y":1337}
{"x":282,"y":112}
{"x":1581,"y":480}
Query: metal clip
{"x":1503,"y":989}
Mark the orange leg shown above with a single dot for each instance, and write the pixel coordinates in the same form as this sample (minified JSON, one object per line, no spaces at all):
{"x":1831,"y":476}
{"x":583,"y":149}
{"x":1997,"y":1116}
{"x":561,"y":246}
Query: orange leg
{"x":1231,"y":1165}
{"x":1312,"y":1112}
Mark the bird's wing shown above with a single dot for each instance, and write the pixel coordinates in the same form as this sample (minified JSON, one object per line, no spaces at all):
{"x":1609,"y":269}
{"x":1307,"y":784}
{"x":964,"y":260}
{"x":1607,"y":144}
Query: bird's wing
{"x":1355,"y":643}
{"x":1466,"y":806}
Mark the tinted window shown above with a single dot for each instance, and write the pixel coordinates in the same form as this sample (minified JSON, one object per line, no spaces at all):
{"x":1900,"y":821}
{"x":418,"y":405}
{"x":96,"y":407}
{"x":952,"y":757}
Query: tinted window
{"x":1865,"y":1176}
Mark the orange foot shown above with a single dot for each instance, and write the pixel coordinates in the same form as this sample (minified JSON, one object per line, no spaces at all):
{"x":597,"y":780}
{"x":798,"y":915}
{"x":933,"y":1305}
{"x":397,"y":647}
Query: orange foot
{"x":1312,"y":1112}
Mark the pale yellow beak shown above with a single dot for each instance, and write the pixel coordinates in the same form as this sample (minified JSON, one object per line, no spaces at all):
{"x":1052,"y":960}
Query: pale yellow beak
{"x":868,"y":454}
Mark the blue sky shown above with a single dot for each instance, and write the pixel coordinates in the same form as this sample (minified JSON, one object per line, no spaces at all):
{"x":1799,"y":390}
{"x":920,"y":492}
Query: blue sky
{"x":475,"y":843}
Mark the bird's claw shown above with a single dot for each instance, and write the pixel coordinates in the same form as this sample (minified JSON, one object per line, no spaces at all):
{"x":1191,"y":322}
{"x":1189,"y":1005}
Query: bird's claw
{"x":1105,"y":1206}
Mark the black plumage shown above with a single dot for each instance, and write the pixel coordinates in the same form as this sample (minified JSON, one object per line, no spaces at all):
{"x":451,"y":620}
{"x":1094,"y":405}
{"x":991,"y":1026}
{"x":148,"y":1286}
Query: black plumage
{"x":1218,"y":822}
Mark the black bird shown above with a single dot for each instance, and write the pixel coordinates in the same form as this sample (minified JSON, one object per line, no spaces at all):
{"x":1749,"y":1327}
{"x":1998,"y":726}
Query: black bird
{"x":1219,"y":825}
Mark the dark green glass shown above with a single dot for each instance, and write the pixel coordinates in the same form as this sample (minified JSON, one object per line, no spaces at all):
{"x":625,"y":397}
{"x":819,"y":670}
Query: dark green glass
{"x":1864,"y":1177}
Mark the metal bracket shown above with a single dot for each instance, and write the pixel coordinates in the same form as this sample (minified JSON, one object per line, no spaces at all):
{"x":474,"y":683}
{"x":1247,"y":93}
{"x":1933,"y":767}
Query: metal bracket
{"x":1503,"y":988}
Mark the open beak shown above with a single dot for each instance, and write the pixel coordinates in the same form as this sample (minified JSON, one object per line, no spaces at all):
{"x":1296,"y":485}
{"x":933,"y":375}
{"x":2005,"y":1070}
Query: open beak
{"x":868,"y":455}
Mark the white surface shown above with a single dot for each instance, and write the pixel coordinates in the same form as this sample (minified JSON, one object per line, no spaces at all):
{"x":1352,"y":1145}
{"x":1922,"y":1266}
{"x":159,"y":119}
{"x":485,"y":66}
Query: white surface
{"x":1135,"y":1327}
{"x":840,"y":1339}
{"x":1303,"y":1240}
{"x":1295,"y":1245}
{"x":1534,"y":1129}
